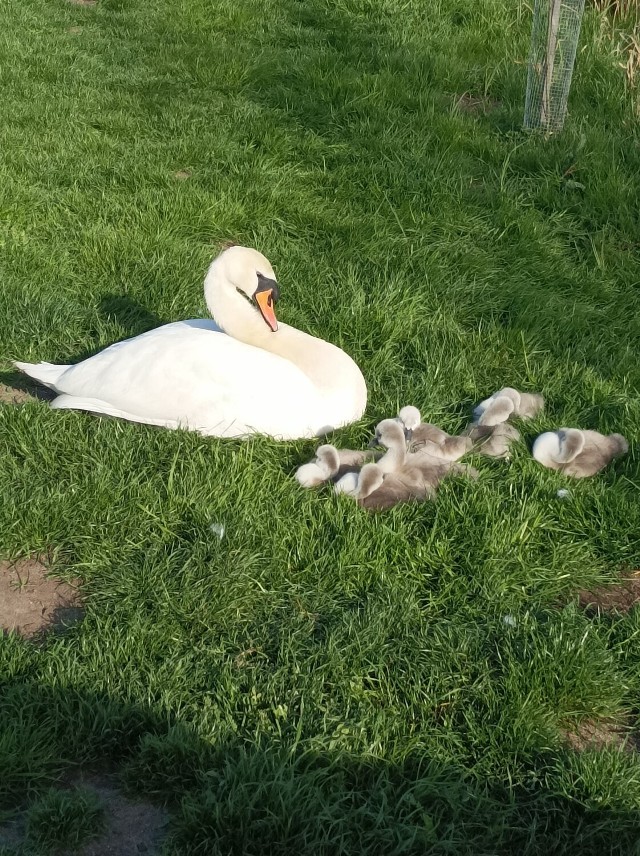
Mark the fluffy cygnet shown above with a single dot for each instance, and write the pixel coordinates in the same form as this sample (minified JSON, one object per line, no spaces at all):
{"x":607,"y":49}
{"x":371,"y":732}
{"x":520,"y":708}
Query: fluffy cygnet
{"x":377,"y":490}
{"x":331,"y":464}
{"x":399,"y":476}
{"x":505,"y":403}
{"x":390,"y":435}
{"x":493,"y":440}
{"x":428,"y":438}
{"x":578,"y":453}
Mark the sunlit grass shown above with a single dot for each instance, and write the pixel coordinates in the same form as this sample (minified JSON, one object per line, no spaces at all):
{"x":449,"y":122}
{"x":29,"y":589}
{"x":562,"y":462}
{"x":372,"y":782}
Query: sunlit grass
{"x":322,"y":680}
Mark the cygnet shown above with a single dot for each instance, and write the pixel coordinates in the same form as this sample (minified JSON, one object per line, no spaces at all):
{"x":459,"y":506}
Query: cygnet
{"x":493,"y":440}
{"x":505,"y":403}
{"x":578,"y":453}
{"x":425,"y":437}
{"x":331,"y":464}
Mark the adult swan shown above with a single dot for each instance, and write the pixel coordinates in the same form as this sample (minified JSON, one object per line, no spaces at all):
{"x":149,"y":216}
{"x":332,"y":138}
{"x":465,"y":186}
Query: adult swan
{"x":241,"y":374}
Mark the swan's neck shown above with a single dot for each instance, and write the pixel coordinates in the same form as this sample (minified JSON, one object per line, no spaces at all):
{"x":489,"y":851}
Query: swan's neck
{"x":394,"y":458}
{"x":321,"y":362}
{"x":233,"y":312}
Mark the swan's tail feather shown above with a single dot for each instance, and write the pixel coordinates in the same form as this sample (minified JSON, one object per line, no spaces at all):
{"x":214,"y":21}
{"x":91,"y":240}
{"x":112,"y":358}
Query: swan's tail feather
{"x":47,"y":374}
{"x":75,"y":402}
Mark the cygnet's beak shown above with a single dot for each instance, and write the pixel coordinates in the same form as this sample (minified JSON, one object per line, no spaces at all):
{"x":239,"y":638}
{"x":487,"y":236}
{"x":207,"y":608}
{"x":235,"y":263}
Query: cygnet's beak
{"x":374,"y":442}
{"x":266,"y":296}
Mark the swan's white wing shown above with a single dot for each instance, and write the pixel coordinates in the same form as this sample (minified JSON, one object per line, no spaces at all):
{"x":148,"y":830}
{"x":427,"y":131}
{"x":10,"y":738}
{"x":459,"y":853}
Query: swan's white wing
{"x":190,"y":373}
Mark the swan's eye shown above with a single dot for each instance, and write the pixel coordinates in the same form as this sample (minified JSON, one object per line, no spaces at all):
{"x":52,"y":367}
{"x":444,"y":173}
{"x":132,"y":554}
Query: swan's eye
{"x":269,"y":285}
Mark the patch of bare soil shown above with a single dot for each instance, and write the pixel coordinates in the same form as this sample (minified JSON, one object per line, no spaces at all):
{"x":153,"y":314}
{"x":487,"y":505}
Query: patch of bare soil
{"x":133,"y":827}
{"x":23,"y":391}
{"x":182,"y":174}
{"x":620,"y":598}
{"x":83,"y":2}
{"x":600,"y":734}
{"x":32,"y":602}
{"x":474,"y":104}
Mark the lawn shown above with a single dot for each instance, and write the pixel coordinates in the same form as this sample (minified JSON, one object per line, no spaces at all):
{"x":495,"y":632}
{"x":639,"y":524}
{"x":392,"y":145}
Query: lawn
{"x":321,"y":680}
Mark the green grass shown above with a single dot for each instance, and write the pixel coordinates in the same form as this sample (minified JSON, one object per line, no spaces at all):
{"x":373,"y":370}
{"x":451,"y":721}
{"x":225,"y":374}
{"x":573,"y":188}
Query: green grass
{"x":60,"y":821}
{"x":321,"y":680}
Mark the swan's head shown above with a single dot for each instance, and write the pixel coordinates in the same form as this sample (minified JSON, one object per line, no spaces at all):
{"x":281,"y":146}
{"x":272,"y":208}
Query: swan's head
{"x":251,"y":274}
{"x":389,"y":434}
{"x":410,"y":417}
{"x":510,"y":393}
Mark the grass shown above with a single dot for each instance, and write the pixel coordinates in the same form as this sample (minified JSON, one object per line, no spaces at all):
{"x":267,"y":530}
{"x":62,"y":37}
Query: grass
{"x":60,"y":821}
{"x":321,"y":680}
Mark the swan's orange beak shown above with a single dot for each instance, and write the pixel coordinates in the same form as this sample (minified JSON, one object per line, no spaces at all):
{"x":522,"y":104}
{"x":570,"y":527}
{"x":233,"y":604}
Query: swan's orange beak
{"x":265,"y":297}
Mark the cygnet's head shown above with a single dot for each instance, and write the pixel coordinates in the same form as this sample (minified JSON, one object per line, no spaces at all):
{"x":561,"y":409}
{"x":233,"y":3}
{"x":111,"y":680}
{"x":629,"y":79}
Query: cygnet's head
{"x":251,"y":274}
{"x":389,"y":434}
{"x":510,"y":393}
{"x":328,"y":459}
{"x":323,"y":468}
{"x":619,"y":443}
{"x":410,"y":417}
{"x":370,"y":479}
{"x":571,"y":442}
{"x":546,"y":448}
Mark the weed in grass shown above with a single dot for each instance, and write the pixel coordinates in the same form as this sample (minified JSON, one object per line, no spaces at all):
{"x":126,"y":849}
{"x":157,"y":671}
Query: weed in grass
{"x":61,"y":820}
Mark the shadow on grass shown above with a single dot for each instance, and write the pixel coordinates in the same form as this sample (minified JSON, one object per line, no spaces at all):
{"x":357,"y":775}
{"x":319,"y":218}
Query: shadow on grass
{"x":229,"y":796}
{"x":131,"y":315}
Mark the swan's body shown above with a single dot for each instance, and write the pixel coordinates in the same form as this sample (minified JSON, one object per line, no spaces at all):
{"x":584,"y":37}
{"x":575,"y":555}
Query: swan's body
{"x":505,"y":403}
{"x":578,"y":453}
{"x":238,"y":375}
{"x":429,"y":439}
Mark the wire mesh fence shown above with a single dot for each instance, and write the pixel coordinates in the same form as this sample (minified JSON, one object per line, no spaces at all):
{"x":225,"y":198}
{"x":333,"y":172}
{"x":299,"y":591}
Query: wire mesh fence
{"x":554,"y":41}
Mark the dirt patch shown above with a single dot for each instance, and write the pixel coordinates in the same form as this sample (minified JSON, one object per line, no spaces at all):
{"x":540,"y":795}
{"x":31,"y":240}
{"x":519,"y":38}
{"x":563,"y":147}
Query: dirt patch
{"x":475,"y":104}
{"x":620,"y":598}
{"x":600,"y":734}
{"x":21,"y":390}
{"x":83,"y":2}
{"x":74,"y":30}
{"x":132,"y":826}
{"x":182,"y":174}
{"x":32,"y":602}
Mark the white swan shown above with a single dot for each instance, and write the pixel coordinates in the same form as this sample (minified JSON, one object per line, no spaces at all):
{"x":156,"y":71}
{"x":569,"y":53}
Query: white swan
{"x":238,"y":375}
